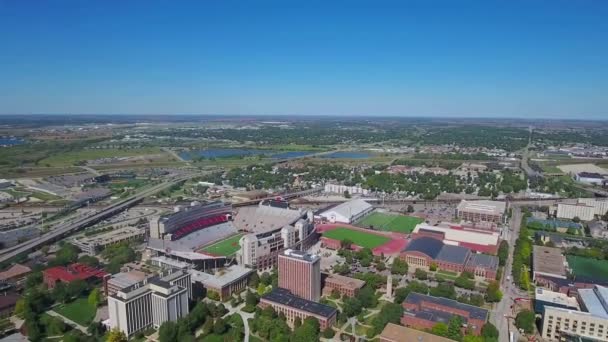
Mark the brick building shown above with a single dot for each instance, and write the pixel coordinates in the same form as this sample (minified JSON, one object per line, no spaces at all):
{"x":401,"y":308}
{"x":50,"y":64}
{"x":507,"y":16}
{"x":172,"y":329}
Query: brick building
{"x":283,"y":301}
{"x":51,"y":276}
{"x":300,"y":273}
{"x":345,"y":285}
{"x":423,"y":312}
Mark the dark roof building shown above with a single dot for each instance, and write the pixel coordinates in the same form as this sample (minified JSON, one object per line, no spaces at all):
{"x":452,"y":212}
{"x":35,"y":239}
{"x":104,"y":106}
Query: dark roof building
{"x":454,"y":254}
{"x":423,"y":312}
{"x":293,"y":306}
{"x":425,"y":245}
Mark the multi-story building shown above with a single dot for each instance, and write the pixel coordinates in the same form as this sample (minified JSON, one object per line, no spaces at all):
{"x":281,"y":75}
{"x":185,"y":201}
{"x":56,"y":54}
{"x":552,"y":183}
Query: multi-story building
{"x":424,"y":251}
{"x":225,"y":282}
{"x":481,"y":210}
{"x":283,"y":301}
{"x":274,"y":228}
{"x":345,"y":285}
{"x":94,"y":244}
{"x":423,"y":312}
{"x":300,"y":273}
{"x":453,"y":234}
{"x":591,"y":323}
{"x":581,"y":210}
{"x":151,"y":302}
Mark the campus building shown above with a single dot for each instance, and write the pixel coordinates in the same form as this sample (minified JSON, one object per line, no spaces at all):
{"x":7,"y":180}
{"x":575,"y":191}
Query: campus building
{"x":273,"y":227}
{"x":300,"y":273}
{"x":151,"y":302}
{"x":581,"y":210}
{"x":225,"y":282}
{"x":544,"y":298}
{"x":15,"y":273}
{"x":453,"y":234}
{"x":423,"y":312}
{"x":283,"y":301}
{"x":186,"y":220}
{"x":347,"y":212}
{"x":52,"y":276}
{"x":588,"y":324}
{"x":96,"y":243}
{"x":548,"y":262}
{"x":345,"y":285}
{"x":482,"y":210}
{"x":424,"y":251}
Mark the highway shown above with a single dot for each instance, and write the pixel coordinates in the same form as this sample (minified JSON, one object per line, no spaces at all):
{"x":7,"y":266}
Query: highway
{"x":62,"y":230}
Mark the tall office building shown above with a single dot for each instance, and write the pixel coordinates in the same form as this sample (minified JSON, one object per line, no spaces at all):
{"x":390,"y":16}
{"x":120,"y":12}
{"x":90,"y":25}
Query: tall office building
{"x":151,"y":302}
{"x":300,"y":273}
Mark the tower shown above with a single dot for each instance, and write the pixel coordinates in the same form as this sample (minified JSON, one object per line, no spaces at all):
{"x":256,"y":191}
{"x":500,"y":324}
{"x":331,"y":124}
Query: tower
{"x":300,"y":273}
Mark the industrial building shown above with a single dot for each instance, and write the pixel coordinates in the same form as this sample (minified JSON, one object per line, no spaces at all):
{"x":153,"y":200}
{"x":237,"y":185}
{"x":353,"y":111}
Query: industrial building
{"x":590,"y":323}
{"x":479,"y":241}
{"x":345,"y":285}
{"x":423,"y":312}
{"x":347,"y":212}
{"x":96,"y":243}
{"x":482,"y":210}
{"x":225,"y":282}
{"x":274,"y":227}
{"x":300,"y":273}
{"x":548,"y":262}
{"x":424,"y":251}
{"x":151,"y":302}
{"x":284,"y":302}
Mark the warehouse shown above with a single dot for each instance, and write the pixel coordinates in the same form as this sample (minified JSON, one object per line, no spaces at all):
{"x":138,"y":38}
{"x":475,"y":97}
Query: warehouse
{"x":548,"y":261}
{"x":347,"y":212}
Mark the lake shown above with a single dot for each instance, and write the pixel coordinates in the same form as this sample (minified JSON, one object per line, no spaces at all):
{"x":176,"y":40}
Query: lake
{"x":235,"y":152}
{"x":10,"y":141}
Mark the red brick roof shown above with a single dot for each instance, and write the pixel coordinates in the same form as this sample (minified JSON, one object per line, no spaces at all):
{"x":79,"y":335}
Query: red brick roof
{"x":73,"y":272}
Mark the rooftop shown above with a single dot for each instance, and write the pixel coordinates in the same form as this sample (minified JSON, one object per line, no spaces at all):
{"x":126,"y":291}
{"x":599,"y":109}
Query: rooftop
{"x":460,"y":235}
{"x":300,"y":255}
{"x":346,"y":281}
{"x":590,"y":175}
{"x":397,"y":333}
{"x":483,"y":207}
{"x":595,"y":300}
{"x":549,"y":260}
{"x":265,"y":217}
{"x":555,"y":298}
{"x":14,"y":271}
{"x":484,"y":260}
{"x":125,"y":279}
{"x":221,"y":278}
{"x":474,"y":311}
{"x":350,"y":208}
{"x":453,"y":254}
{"x":425,"y":245}
{"x":284,"y":297}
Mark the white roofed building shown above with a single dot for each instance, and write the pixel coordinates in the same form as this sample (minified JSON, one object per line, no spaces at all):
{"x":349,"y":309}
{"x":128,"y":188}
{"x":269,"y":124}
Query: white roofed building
{"x":347,"y":212}
{"x":482,"y":210}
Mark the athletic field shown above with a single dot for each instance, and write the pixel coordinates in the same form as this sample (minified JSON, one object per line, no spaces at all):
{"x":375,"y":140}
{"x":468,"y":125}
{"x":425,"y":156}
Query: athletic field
{"x":588,"y":268}
{"x":362,"y":239}
{"x":393,"y":223}
{"x":226,"y":247}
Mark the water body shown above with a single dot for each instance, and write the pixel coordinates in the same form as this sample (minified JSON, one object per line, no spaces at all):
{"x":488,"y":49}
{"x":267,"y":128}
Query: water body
{"x":11,"y":141}
{"x":236,"y":152}
{"x":347,"y":155}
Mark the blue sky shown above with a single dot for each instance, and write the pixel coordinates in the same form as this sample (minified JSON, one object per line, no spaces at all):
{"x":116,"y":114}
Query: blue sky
{"x":423,"y":58}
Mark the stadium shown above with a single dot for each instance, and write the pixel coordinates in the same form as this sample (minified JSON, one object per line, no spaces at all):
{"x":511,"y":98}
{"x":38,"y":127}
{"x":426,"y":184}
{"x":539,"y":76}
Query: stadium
{"x":387,"y":243}
{"x":202,"y":235}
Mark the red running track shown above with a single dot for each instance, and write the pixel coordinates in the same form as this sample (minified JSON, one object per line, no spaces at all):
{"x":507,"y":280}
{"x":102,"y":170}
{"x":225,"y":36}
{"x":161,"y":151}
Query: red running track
{"x":394,"y":246}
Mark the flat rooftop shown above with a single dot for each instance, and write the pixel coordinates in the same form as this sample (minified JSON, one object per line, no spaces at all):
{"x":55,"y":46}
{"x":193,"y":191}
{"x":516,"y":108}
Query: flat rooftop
{"x":221,"y":278}
{"x":483,"y":207}
{"x":397,"y":333}
{"x":557,"y":298}
{"x":548,"y":260}
{"x":474,"y":311}
{"x":263,"y":218}
{"x":300,"y":255}
{"x":460,"y":235}
{"x":595,"y":300}
{"x":284,"y":297}
{"x":346,"y":281}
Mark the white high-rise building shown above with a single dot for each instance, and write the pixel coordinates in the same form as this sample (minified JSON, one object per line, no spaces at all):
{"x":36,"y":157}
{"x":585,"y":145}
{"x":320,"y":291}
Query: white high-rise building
{"x":151,"y":302}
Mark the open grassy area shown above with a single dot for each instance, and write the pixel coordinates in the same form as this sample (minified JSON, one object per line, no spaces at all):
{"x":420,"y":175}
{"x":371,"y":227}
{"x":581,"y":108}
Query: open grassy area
{"x":79,"y":311}
{"x":225,"y":247}
{"x":393,"y":223}
{"x":69,"y":158}
{"x":359,"y":238}
{"x":588,"y":267}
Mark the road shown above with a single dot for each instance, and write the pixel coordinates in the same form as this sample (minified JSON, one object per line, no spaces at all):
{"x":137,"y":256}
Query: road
{"x":62,"y":230}
{"x":502,"y":310}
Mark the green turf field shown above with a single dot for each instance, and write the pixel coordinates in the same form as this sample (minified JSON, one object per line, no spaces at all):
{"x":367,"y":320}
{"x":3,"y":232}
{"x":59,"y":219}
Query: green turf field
{"x":588,"y":267}
{"x":225,"y":247}
{"x":362,"y":239}
{"x":79,"y":311}
{"x":393,"y":223}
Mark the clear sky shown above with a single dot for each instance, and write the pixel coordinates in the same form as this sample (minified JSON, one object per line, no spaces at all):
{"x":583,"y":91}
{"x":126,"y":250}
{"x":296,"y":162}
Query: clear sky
{"x":427,"y":58}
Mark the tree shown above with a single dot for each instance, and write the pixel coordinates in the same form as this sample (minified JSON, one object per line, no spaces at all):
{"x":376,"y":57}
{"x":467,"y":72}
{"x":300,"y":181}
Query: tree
{"x":328,"y":333}
{"x":455,"y":328}
{"x":168,"y":332}
{"x":445,"y":290}
{"x":525,"y":320}
{"x":20,"y":307}
{"x":351,"y":307}
{"x":219,"y":327}
{"x":60,"y":292}
{"x":420,"y":274}
{"x":345,"y":243}
{"x":346,"y":194}
{"x":208,"y":326}
{"x":410,"y":208}
{"x":76,"y":288}
{"x":94,"y":297}
{"x":254,"y":280}
{"x":576,"y":219}
{"x":399,"y":266}
{"x":489,"y":332}
{"x":367,"y":297}
{"x":493,"y":293}
{"x":308,"y":331}
{"x":116,"y":335}
{"x":503,"y":252}
{"x":433,"y":267}
{"x":440,"y":329}
{"x":380,"y":266}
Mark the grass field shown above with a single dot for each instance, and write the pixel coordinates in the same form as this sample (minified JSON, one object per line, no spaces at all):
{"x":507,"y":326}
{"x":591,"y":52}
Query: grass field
{"x":393,"y":223}
{"x":225,"y":247}
{"x":365,"y":240}
{"x":69,"y":158}
{"x":79,"y":311}
{"x":588,"y":268}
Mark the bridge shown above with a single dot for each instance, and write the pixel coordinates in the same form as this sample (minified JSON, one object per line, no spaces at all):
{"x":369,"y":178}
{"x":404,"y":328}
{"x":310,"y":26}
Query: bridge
{"x":65,"y":229}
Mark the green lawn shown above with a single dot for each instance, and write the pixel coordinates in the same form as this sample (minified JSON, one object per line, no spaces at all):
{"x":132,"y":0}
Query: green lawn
{"x":588,"y":267}
{"x":225,"y":247}
{"x":393,"y":223}
{"x":79,"y":311}
{"x":69,"y":158}
{"x":362,"y":239}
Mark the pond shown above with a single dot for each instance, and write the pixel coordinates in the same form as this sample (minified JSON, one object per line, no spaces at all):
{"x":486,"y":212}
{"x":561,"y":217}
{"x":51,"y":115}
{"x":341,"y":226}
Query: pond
{"x":347,"y":155}
{"x":236,"y":152}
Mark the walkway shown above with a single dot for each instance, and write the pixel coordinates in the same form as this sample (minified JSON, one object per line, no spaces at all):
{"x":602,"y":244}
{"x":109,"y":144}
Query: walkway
{"x":68,"y":321}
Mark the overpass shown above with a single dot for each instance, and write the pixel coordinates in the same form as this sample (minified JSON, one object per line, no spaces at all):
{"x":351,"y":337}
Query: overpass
{"x":65,"y":229}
